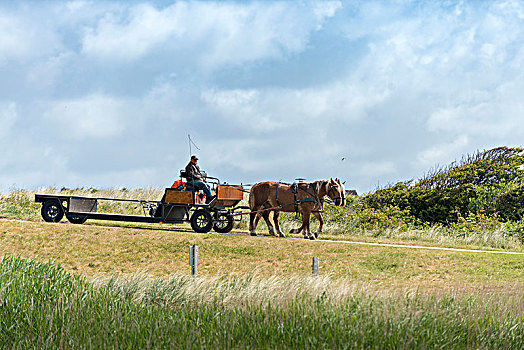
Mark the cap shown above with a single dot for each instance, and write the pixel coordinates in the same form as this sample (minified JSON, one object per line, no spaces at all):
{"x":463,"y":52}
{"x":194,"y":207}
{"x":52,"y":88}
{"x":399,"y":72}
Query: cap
{"x":194,"y":157}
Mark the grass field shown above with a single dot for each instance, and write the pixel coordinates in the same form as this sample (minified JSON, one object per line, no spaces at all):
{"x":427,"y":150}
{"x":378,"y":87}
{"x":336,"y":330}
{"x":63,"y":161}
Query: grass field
{"x":341,"y":223}
{"x":44,"y":306}
{"x":124,"y":285}
{"x":93,"y":249}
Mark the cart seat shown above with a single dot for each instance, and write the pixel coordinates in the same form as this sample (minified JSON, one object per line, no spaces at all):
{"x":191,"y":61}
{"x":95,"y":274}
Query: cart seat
{"x":189,"y":185}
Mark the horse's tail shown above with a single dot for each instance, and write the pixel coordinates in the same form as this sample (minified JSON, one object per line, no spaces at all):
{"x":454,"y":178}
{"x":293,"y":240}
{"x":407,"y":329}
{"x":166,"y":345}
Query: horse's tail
{"x":252,"y":197}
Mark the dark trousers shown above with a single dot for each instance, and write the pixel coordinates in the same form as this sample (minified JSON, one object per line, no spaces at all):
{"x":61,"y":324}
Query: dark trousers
{"x":200,"y":185}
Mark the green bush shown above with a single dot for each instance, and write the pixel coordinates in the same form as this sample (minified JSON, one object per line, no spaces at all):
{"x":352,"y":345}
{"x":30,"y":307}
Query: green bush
{"x":19,"y":204}
{"x":475,"y":223}
{"x":356,"y":215}
{"x":489,"y":183}
{"x":516,"y":229}
{"x":510,"y":202}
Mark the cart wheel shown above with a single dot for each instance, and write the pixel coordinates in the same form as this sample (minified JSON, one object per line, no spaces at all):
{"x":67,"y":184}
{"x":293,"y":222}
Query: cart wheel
{"x":201,"y":221}
{"x":76,"y":219}
{"x":52,"y":211}
{"x":224,"y":224}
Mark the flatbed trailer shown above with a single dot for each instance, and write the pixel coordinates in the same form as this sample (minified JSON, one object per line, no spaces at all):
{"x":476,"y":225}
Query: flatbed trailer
{"x":175,"y":207}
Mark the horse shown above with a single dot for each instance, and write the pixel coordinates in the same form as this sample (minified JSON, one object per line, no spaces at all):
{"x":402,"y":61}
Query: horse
{"x":304,"y":198}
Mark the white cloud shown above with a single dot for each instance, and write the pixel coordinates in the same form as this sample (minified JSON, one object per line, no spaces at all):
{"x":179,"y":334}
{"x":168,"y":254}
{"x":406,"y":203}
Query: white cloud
{"x":374,"y":81}
{"x":269,"y":109}
{"x":44,"y":73}
{"x":444,"y":153}
{"x":242,"y":106}
{"x":94,"y":116}
{"x":484,"y":119}
{"x":378,"y":168}
{"x":217,"y":33}
{"x":14,"y":41}
{"x":77,"y":5}
{"x":8,"y":116}
{"x":495,"y":113}
{"x":132,"y":37}
{"x":22,"y":39}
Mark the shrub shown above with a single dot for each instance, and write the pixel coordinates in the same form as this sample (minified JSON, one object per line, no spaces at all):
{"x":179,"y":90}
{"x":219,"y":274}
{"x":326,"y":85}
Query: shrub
{"x":488,"y":182}
{"x":516,"y":229}
{"x":510,"y":202}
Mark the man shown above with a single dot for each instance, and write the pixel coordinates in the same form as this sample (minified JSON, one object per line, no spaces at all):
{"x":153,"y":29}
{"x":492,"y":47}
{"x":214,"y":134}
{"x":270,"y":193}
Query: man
{"x":196,"y":179}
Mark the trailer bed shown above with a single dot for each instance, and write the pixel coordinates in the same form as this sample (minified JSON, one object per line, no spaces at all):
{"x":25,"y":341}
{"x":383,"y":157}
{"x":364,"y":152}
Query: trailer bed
{"x":175,"y":207}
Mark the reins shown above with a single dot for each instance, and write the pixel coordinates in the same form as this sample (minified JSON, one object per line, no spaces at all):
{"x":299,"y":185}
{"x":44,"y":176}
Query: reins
{"x":261,"y":210}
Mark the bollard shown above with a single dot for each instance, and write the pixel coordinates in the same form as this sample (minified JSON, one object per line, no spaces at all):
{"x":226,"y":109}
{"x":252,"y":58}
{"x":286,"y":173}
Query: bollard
{"x":315,"y":266}
{"x":193,"y":259}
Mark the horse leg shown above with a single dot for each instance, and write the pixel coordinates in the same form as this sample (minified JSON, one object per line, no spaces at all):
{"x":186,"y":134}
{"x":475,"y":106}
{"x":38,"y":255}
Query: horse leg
{"x":276,"y":214}
{"x":265,"y":215}
{"x":308,"y":227}
{"x":297,"y":230}
{"x":253,"y":222}
{"x":318,"y":215}
{"x":306,"y":218}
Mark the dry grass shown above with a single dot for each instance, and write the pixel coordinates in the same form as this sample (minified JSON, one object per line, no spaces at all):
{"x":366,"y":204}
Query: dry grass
{"x":91,"y":250}
{"x":438,"y":236}
{"x":505,"y":299}
{"x":20,"y":204}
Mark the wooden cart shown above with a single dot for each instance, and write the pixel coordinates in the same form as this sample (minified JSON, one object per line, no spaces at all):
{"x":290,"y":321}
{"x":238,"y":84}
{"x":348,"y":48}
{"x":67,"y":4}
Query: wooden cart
{"x":176,"y":206}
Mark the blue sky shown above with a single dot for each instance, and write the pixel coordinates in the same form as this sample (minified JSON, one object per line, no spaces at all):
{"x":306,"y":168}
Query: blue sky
{"x":104,"y":94}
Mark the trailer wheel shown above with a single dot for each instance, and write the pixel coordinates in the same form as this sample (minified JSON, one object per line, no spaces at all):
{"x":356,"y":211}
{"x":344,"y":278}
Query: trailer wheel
{"x":201,"y":221}
{"x":76,"y":219}
{"x":224,"y":224}
{"x":52,"y":211}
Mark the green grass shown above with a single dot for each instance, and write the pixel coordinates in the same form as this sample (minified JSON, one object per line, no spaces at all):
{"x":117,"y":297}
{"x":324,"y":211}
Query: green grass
{"x":251,"y":292}
{"x":91,"y":249}
{"x":348,"y":223}
{"x":43,"y":306}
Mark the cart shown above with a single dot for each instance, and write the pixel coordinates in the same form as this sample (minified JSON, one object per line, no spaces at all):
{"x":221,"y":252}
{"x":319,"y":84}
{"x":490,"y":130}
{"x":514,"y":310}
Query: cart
{"x":176,"y":206}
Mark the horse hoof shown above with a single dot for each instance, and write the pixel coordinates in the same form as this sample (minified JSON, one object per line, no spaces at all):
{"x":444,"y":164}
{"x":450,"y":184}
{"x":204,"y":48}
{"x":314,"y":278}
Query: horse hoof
{"x":253,"y":233}
{"x":312,"y":237}
{"x":282,"y":235}
{"x":292,"y":230}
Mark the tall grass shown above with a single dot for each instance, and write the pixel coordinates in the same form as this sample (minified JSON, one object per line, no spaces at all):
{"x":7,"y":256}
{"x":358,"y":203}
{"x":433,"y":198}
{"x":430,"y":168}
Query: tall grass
{"x":43,"y":306}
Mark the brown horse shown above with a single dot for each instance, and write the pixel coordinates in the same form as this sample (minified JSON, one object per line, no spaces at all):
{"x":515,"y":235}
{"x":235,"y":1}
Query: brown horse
{"x":304,"y":198}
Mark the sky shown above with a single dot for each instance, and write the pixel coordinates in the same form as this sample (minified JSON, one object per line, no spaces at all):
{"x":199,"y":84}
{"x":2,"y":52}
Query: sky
{"x":105,"y":93}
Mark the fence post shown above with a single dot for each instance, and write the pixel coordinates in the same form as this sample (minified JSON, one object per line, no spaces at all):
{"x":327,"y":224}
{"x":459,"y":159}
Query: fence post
{"x":315,"y":266}
{"x":193,"y":259}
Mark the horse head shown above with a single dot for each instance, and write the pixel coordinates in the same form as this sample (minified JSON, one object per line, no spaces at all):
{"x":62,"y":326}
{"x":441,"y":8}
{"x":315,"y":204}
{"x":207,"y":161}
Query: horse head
{"x":337,"y":192}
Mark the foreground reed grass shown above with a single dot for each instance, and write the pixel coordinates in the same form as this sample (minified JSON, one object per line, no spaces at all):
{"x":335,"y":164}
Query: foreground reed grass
{"x":43,"y":306}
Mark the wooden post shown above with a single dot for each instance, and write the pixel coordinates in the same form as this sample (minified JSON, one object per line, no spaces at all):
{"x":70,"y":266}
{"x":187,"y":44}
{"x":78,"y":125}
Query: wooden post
{"x":193,"y":259}
{"x":315,"y":266}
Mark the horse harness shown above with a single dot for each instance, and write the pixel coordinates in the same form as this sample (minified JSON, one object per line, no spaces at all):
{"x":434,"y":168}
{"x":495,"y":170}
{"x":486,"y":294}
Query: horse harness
{"x":294,"y":189}
{"x":331,"y":189}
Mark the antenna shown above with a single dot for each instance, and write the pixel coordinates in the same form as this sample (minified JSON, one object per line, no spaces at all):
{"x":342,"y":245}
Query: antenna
{"x":191,"y":143}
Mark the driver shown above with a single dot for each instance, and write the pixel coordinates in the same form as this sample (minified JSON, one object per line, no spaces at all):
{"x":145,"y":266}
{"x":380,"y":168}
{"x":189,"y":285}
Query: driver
{"x":196,"y":179}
